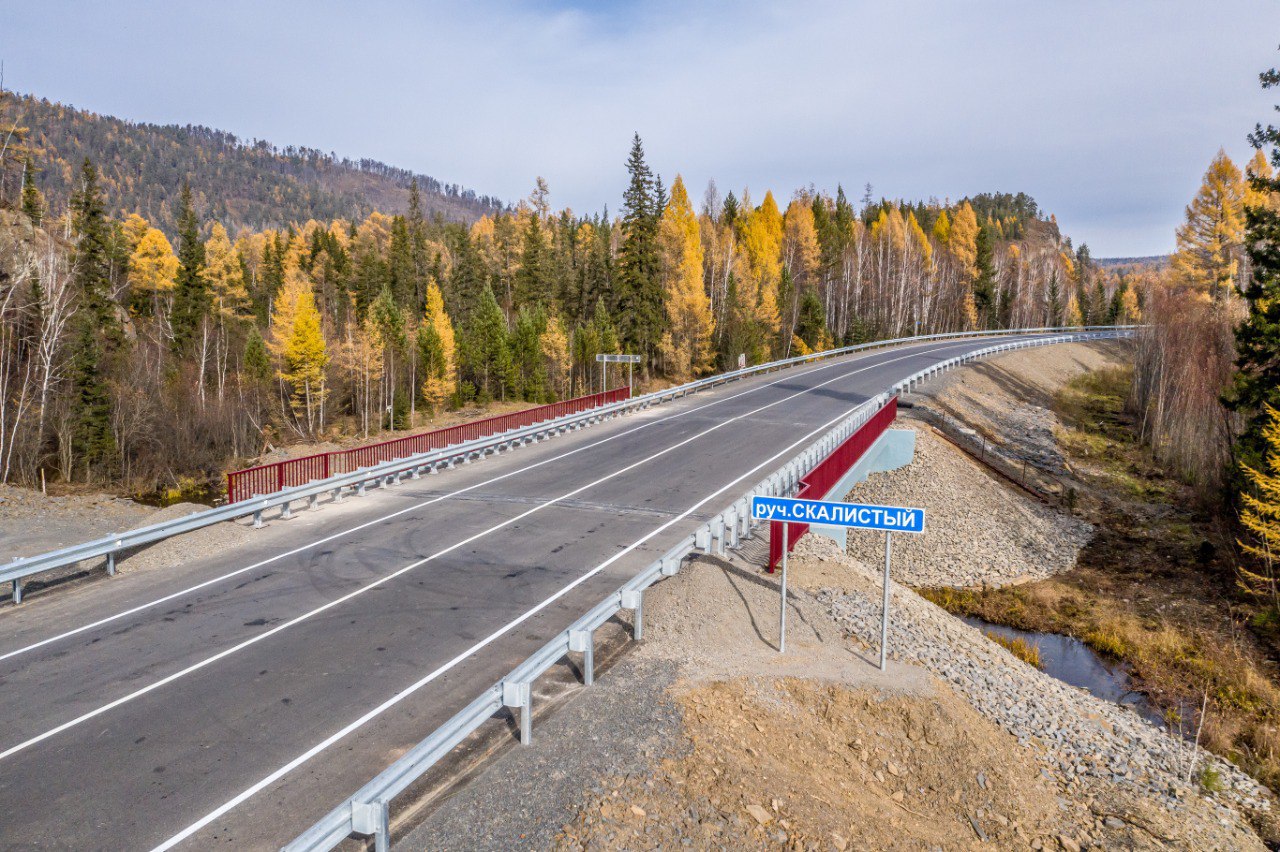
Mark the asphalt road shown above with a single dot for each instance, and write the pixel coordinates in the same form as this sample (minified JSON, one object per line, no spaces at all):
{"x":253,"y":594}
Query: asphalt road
{"x":140,"y":711}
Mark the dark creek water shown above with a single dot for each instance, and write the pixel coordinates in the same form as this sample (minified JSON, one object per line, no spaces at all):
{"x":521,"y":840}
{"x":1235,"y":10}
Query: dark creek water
{"x":1075,"y":663}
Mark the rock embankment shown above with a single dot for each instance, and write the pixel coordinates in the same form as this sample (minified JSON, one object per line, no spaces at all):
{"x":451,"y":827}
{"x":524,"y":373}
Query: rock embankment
{"x":980,"y":531}
{"x":1093,"y":748}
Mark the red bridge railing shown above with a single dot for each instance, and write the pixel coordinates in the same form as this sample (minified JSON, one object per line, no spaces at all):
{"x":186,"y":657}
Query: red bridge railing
{"x":270,"y":478}
{"x":820,"y":480}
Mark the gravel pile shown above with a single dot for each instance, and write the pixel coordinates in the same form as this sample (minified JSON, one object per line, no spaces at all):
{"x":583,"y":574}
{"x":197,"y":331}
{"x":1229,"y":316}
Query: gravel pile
{"x":1081,"y":736}
{"x":978,"y":530}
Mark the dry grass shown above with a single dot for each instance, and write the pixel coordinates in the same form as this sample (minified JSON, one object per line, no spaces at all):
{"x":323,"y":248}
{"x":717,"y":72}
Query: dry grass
{"x":1152,"y":590}
{"x":1026,"y":651}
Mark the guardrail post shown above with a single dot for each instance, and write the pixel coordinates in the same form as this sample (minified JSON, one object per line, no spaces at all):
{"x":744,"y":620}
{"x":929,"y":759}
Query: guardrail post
{"x":373,"y":818}
{"x":257,"y":520}
{"x":286,"y":510}
{"x":313,"y":502}
{"x":634,"y":601}
{"x":337,"y":494}
{"x":583,"y":642}
{"x":17,"y":592}
{"x":111,"y":564}
{"x":518,"y":695}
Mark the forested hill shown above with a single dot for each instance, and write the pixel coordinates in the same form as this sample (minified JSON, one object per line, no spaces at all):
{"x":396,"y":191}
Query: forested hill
{"x":237,"y":182}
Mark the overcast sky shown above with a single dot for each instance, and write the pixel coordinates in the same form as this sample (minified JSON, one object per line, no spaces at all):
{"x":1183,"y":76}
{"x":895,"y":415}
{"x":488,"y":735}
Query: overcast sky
{"x":1106,"y":112}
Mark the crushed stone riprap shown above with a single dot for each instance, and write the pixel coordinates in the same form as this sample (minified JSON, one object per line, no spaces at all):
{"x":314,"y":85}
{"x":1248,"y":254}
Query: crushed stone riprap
{"x":1081,"y":737}
{"x":978,"y":531}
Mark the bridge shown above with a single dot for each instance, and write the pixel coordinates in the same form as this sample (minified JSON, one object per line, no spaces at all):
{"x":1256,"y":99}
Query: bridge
{"x":235,"y":699}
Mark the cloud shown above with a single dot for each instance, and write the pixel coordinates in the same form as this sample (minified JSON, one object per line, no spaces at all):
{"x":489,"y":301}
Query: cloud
{"x":1106,"y":112}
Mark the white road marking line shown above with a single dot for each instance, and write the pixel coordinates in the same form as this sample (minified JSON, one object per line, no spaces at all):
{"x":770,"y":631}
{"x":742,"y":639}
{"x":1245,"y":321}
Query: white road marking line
{"x":231,"y":574}
{"x":253,"y":640}
{"x":497,"y":634}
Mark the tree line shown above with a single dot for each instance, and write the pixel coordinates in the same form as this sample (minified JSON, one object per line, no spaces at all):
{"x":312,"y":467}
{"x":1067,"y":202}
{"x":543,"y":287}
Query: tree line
{"x":134,"y":355}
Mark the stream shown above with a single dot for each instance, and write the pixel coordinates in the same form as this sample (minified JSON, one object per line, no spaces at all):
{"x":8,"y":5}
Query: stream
{"x":1076,"y":664}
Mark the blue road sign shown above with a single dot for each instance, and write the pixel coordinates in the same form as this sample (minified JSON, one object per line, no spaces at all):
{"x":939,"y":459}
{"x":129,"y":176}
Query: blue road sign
{"x":887,"y":518}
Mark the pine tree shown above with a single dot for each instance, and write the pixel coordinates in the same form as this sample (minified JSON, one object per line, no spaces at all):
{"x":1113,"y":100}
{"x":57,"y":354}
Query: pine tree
{"x":526,"y":354}
{"x":1210,"y":240}
{"x":191,"y":293}
{"x":533,"y":281}
{"x":640,"y":296}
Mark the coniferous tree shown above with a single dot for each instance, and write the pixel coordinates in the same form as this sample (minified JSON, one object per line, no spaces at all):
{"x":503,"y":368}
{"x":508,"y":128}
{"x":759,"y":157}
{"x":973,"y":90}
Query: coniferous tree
{"x":640,"y":297}
{"x":1257,"y":380}
{"x":93,"y":253}
{"x":486,"y":351}
{"x":984,"y":283}
{"x":32,"y":200}
{"x":191,"y":293}
{"x":92,"y":440}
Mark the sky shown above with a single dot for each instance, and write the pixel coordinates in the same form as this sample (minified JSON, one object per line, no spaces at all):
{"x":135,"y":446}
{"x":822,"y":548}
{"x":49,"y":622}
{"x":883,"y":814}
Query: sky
{"x":1107,"y":113}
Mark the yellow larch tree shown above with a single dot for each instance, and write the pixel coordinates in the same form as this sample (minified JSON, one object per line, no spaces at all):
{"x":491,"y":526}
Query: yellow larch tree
{"x":153,"y":271}
{"x":438,"y":350}
{"x":297,"y":341}
{"x":1260,"y":515}
{"x":555,"y":349}
{"x":1210,"y":241}
{"x":800,"y":250}
{"x":225,"y":277}
{"x":942,"y":228}
{"x":1259,"y":167}
{"x":1073,"y":318}
{"x":761,"y":268}
{"x":135,"y":228}
{"x":964,"y":241}
{"x":687,"y":343}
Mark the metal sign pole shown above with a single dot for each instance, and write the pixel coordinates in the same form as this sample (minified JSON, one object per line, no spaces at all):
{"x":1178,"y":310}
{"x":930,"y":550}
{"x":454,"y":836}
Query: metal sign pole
{"x":782,"y":618}
{"x":884,"y":607}
{"x":631,"y":372}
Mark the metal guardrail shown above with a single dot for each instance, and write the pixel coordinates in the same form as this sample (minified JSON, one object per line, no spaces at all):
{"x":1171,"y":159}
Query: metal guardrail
{"x":367,"y":812}
{"x":264,"y":479}
{"x":389,"y":473}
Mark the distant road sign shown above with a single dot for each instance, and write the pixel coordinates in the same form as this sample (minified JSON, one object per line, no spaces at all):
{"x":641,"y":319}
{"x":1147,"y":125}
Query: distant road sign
{"x":856,"y":515}
{"x":619,"y":359}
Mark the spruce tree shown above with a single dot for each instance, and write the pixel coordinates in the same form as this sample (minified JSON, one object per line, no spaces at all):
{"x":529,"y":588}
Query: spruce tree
{"x":1257,"y":380}
{"x":640,"y":295}
{"x":191,"y":299}
{"x":93,"y":442}
{"x":92,"y":253}
{"x":32,"y":200}
{"x":984,"y":282}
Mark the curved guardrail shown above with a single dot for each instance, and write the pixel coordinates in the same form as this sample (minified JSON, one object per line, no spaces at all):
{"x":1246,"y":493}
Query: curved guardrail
{"x":19,"y":569}
{"x":367,"y":811}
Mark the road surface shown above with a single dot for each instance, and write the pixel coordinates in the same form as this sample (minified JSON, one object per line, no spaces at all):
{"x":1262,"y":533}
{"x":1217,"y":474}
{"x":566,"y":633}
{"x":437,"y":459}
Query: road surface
{"x":235,"y":699}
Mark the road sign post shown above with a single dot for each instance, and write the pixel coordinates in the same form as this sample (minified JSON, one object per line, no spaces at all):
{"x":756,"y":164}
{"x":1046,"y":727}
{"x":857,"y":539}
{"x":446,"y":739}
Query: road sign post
{"x":888,"y":519}
{"x":607,"y":359}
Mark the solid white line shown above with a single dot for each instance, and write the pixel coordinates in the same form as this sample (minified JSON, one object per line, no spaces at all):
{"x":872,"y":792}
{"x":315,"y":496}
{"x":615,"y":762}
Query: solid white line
{"x":226,"y":652}
{"x":229,"y":575}
{"x":497,"y":634}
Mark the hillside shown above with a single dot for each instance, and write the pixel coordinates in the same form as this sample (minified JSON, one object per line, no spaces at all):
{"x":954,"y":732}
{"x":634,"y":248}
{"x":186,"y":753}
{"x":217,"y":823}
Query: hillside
{"x":241,"y":183}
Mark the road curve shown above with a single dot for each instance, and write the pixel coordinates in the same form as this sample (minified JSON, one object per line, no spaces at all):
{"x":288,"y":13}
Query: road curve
{"x":233,"y":700}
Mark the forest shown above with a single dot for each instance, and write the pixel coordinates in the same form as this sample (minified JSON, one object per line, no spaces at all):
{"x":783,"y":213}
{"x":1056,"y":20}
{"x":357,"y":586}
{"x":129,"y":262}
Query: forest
{"x":140,"y":355}
{"x":240,"y":183}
